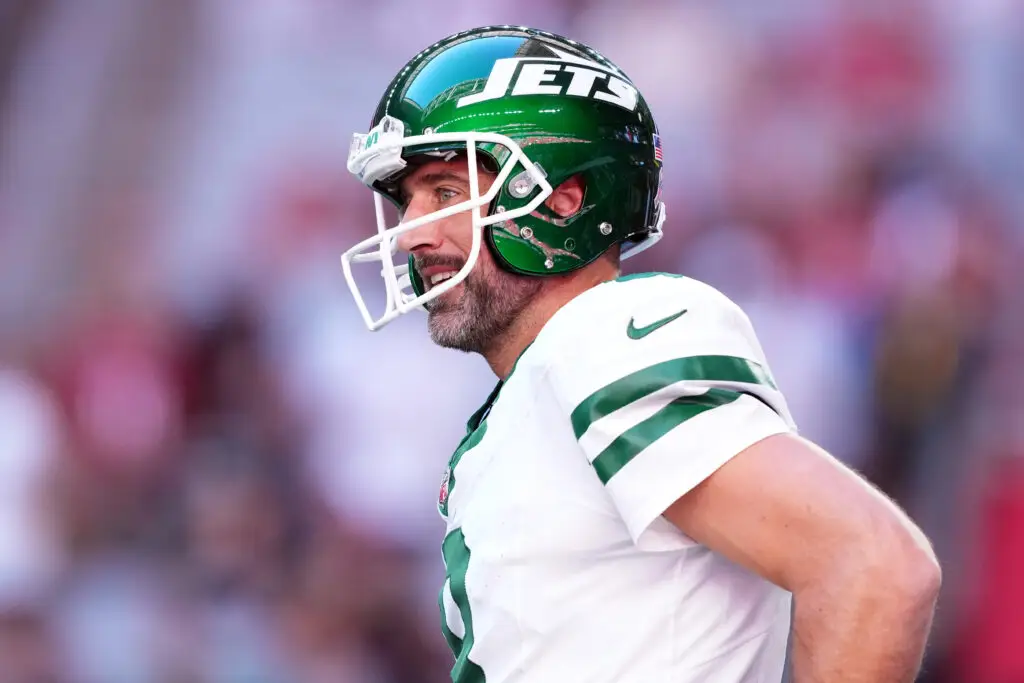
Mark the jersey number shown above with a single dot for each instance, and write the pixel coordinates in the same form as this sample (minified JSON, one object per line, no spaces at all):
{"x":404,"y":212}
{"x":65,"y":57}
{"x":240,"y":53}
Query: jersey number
{"x":456,"y":561}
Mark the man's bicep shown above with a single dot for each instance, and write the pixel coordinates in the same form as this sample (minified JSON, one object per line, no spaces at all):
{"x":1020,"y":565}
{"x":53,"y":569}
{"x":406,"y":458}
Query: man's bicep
{"x":783,"y":508}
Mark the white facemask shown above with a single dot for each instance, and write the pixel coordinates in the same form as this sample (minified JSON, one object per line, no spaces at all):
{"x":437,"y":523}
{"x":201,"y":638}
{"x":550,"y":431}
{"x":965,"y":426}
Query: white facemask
{"x":378,"y":155}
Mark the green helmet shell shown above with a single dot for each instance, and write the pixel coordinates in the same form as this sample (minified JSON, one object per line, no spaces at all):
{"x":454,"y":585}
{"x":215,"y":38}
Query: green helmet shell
{"x":570,"y":110}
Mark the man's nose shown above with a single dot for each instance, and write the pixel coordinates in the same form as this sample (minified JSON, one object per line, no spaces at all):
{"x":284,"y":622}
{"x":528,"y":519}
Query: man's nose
{"x":426,"y":236}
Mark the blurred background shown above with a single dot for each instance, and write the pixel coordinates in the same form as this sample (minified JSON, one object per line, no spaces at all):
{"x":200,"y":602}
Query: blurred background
{"x":210,"y":472}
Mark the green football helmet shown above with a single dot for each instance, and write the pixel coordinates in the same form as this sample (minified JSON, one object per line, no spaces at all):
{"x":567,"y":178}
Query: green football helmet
{"x":536,"y":109}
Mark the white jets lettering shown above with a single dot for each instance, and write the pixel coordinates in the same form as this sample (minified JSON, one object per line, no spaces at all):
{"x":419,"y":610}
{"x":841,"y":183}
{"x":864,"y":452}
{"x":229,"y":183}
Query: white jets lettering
{"x":497,"y":83}
{"x":582,"y":83}
{"x":532,"y":79}
{"x":535,"y":76}
{"x":622,"y":94}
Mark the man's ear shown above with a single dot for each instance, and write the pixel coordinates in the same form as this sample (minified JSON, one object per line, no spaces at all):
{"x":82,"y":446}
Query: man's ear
{"x":567,"y":198}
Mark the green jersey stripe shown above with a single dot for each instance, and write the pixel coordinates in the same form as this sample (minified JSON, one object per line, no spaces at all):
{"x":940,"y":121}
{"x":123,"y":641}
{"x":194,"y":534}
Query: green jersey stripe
{"x":634,"y":440}
{"x":468,"y":442}
{"x":456,"y":558}
{"x":635,"y":386}
{"x":644,"y":276}
{"x":454,"y":642}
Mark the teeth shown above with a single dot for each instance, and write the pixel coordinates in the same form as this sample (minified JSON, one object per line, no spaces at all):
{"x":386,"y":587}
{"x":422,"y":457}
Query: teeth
{"x":441,"y":277}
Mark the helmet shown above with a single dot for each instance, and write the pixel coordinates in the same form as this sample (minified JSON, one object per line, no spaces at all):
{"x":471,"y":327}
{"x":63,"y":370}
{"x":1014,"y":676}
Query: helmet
{"x":535,"y":108}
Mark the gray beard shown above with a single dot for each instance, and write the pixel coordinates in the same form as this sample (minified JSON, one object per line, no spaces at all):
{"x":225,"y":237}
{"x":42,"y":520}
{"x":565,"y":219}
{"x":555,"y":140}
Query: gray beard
{"x":474,"y":319}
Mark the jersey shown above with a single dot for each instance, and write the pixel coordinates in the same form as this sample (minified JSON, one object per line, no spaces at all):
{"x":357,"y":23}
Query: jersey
{"x":559,"y":563}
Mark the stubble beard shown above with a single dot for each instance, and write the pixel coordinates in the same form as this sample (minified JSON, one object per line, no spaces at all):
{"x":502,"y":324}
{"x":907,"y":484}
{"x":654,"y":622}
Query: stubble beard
{"x":474,"y":315}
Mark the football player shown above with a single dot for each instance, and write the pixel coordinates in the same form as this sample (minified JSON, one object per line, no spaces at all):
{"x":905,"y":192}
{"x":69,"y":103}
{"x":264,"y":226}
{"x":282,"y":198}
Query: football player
{"x":632,"y":503}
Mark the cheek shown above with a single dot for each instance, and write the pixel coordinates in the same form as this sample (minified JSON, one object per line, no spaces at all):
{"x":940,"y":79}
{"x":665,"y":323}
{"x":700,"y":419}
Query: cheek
{"x":459,"y":232}
{"x":486,"y":269}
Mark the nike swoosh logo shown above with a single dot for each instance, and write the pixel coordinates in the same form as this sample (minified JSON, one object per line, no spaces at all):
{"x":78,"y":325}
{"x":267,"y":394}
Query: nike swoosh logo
{"x":634,"y":332}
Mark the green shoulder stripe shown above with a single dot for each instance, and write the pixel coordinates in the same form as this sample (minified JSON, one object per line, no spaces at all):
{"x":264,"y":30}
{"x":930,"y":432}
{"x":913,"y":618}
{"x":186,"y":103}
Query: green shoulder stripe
{"x":631,"y":442}
{"x":635,"y":386}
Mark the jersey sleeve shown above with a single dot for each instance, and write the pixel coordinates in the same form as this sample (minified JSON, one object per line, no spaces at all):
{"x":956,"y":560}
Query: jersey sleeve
{"x":657,"y":408}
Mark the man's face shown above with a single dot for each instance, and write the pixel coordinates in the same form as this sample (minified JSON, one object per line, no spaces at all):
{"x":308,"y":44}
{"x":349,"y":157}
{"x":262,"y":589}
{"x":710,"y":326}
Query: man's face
{"x":476,"y":312}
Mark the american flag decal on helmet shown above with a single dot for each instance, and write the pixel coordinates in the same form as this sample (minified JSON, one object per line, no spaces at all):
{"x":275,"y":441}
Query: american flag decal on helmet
{"x":657,"y":148}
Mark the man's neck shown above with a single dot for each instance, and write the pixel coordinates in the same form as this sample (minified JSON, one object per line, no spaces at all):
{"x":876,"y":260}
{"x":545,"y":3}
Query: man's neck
{"x":502,"y":357}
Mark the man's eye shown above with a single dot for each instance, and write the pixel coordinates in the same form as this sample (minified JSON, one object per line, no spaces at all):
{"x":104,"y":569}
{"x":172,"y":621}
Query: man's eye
{"x":444,"y":195}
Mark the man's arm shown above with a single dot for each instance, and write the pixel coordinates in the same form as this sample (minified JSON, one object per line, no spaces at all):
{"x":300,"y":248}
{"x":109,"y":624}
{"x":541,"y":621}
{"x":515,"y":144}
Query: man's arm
{"x":863,"y":576}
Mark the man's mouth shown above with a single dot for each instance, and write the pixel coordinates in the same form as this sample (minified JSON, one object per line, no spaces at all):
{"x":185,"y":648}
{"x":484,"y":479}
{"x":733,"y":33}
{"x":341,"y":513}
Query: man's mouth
{"x":435,"y":275}
{"x":441,"y":277}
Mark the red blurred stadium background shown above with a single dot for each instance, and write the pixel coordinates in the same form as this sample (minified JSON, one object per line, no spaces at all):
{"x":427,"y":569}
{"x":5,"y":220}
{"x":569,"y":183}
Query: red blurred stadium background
{"x":210,"y":472}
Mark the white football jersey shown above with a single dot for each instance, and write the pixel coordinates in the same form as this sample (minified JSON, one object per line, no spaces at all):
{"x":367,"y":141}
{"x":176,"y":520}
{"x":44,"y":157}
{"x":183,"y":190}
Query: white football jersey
{"x":559,"y":564}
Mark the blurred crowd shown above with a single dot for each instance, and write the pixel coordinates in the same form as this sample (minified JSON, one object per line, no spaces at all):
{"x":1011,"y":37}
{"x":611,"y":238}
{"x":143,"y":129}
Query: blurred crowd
{"x":210,"y":472}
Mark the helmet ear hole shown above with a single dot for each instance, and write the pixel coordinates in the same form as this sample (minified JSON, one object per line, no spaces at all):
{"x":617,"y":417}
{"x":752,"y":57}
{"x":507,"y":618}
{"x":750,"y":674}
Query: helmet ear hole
{"x":567,"y":199}
{"x":487,"y":162}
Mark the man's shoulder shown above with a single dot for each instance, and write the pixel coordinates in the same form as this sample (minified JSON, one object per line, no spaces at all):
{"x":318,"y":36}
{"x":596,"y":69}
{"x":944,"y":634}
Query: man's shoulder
{"x":633,"y":293}
{"x":626,"y":324}
{"x":629,"y":311}
{"x":637,"y":335}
